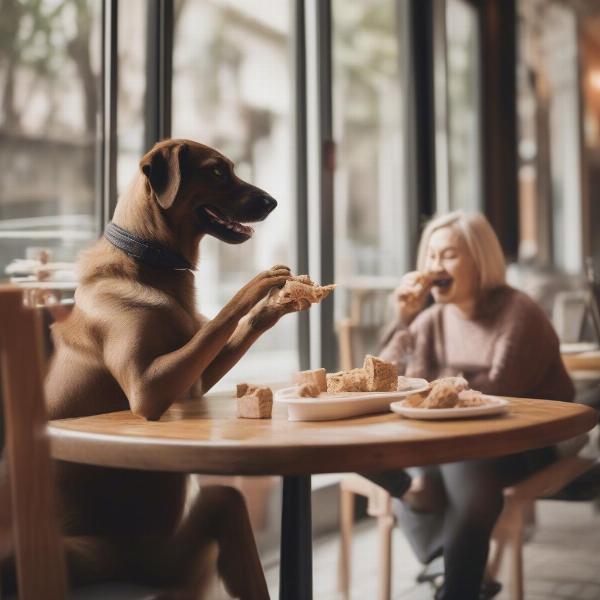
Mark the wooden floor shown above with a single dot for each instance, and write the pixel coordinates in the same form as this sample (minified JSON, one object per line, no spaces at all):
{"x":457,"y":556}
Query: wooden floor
{"x":562,"y":560}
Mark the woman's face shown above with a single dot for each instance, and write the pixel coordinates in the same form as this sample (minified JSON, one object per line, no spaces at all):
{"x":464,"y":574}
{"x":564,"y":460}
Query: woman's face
{"x":455,"y":276}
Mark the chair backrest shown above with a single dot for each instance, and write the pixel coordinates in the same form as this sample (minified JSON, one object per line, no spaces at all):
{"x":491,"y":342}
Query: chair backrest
{"x":39,"y":553}
{"x":568,"y":314}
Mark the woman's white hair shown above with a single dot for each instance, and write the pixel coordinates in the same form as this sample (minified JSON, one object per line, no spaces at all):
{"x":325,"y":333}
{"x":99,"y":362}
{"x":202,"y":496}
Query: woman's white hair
{"x":481,"y":240}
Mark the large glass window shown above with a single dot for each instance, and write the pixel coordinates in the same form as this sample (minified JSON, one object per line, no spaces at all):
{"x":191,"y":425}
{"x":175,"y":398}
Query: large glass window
{"x":550,"y":137}
{"x":132,"y":70}
{"x":590,"y":80}
{"x":231,"y":90}
{"x":371,"y":213}
{"x":50,"y":54}
{"x":462,"y":51}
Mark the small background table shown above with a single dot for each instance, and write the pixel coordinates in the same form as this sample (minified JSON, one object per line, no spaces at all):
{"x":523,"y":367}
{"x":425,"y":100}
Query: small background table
{"x":204,"y":436}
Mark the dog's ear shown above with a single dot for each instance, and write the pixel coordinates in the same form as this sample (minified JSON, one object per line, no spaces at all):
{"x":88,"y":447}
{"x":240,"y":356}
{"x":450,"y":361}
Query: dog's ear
{"x":162,"y":167}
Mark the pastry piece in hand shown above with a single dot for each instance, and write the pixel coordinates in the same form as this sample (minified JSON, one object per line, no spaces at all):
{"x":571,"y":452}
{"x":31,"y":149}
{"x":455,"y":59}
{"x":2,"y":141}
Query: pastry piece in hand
{"x":442,"y":395}
{"x":347,"y":381}
{"x":302,"y":287}
{"x":382,"y":376}
{"x":308,"y":390}
{"x":317,"y":377}
{"x":256,"y":403}
{"x":415,"y":285}
{"x":468,"y":398}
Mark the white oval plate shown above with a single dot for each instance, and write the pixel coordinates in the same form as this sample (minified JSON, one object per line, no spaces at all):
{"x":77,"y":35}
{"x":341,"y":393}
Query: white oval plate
{"x":328,"y":407}
{"x":497,"y":406}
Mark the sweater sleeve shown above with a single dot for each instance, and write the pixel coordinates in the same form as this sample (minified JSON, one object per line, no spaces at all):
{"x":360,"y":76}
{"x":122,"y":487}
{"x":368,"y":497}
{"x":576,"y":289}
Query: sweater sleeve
{"x":410,"y":348}
{"x":392,"y":344}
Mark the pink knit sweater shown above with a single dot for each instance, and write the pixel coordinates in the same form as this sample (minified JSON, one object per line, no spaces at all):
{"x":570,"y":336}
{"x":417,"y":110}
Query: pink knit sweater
{"x":508,"y":349}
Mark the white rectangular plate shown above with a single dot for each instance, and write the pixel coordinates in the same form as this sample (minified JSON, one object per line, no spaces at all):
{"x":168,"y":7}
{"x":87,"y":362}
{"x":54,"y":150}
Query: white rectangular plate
{"x":328,"y":407}
{"x":496,"y":406}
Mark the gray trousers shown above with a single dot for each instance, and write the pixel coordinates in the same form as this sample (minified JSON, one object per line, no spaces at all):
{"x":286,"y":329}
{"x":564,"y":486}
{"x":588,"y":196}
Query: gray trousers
{"x":469,"y":495}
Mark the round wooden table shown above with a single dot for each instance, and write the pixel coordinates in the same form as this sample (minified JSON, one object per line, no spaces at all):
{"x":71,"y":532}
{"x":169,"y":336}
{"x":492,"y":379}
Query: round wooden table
{"x":204,"y":436}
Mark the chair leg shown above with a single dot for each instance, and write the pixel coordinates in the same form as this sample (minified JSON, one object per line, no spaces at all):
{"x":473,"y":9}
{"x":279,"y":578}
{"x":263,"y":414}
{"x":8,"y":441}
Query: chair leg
{"x":495,"y":558}
{"x":346,"y":523}
{"x":516,"y":583}
{"x":386,"y":525}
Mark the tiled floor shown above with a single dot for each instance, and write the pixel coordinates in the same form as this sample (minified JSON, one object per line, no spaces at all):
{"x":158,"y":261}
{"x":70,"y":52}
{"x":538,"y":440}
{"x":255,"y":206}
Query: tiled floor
{"x":562,"y":560}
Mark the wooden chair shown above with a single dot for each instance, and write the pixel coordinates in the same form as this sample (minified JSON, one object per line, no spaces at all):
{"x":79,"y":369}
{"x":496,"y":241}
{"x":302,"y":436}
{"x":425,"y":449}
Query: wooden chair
{"x":508,"y":533}
{"x":38,"y":552}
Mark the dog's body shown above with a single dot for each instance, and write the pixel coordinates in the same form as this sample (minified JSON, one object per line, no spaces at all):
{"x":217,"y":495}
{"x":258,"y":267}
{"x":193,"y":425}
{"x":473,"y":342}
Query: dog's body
{"x":134,"y":341}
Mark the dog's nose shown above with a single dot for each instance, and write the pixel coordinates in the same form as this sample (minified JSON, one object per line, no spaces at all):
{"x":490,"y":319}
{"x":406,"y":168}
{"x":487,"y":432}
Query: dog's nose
{"x":268,"y":202}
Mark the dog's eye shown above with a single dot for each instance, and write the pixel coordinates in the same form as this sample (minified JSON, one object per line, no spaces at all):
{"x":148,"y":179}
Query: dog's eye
{"x":217,"y":172}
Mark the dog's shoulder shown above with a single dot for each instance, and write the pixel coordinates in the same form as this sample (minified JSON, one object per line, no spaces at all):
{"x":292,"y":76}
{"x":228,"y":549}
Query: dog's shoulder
{"x":129,"y":306}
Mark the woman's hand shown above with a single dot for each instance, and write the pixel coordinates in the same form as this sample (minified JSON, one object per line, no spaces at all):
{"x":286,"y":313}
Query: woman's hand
{"x":411,"y":294}
{"x":267,"y":312}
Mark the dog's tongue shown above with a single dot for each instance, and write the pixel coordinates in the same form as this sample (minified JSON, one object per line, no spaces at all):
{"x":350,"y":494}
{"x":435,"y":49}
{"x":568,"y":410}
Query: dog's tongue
{"x":239,"y":228}
{"x":234,"y":225}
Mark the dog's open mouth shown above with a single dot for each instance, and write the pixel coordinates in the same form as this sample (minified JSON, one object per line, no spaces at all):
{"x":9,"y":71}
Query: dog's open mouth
{"x":222,"y":227}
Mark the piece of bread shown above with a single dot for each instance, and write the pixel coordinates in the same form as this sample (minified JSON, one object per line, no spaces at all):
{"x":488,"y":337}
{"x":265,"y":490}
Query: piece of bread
{"x":415,"y":287}
{"x":347,"y":381}
{"x":241,"y":389}
{"x":382,"y":376}
{"x":302,"y":287}
{"x":316,"y":377}
{"x":308,"y":390}
{"x":416,"y":400}
{"x":257,"y":403}
{"x":459,"y":383}
{"x":442,"y":395}
{"x":469,"y":398}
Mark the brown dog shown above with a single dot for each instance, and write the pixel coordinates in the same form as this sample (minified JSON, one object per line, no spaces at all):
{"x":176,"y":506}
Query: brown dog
{"x":135,"y":341}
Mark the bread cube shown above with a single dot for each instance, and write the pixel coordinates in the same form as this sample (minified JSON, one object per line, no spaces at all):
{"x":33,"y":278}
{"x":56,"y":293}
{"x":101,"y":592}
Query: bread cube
{"x":458,"y":383}
{"x":382,"y":376}
{"x":316,"y":377}
{"x":347,"y":381}
{"x":469,"y":398}
{"x":241,"y":389}
{"x":308,"y":390}
{"x":255,"y":404}
{"x":442,"y":395}
{"x":416,"y":400}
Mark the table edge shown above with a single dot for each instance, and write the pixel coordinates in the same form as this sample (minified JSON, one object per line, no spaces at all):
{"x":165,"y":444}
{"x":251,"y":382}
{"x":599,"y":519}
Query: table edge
{"x":230,"y":458}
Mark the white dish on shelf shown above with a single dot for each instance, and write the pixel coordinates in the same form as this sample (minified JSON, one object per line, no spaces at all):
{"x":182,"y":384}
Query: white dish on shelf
{"x":328,"y":407}
{"x":495,"y":406}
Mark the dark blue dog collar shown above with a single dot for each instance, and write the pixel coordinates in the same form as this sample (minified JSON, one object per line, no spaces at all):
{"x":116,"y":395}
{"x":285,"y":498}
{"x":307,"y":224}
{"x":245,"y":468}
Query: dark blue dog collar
{"x":147,"y":252}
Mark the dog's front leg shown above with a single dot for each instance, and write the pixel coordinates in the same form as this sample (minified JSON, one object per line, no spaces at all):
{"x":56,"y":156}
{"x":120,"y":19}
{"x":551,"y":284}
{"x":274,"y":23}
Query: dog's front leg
{"x":153,"y":381}
{"x":260,"y":319}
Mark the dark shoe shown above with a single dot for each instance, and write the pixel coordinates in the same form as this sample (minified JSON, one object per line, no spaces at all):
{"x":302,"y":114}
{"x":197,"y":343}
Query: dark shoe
{"x":432,"y":572}
{"x":489,"y":589}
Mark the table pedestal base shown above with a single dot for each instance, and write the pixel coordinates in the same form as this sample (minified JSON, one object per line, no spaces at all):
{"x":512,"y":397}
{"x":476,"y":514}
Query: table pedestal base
{"x":295,"y":575}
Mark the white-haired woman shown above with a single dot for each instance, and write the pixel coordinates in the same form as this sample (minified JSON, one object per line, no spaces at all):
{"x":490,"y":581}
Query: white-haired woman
{"x":502,"y":343}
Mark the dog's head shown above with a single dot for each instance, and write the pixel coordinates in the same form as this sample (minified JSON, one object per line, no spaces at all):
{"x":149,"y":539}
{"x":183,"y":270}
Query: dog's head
{"x":198,"y":184}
